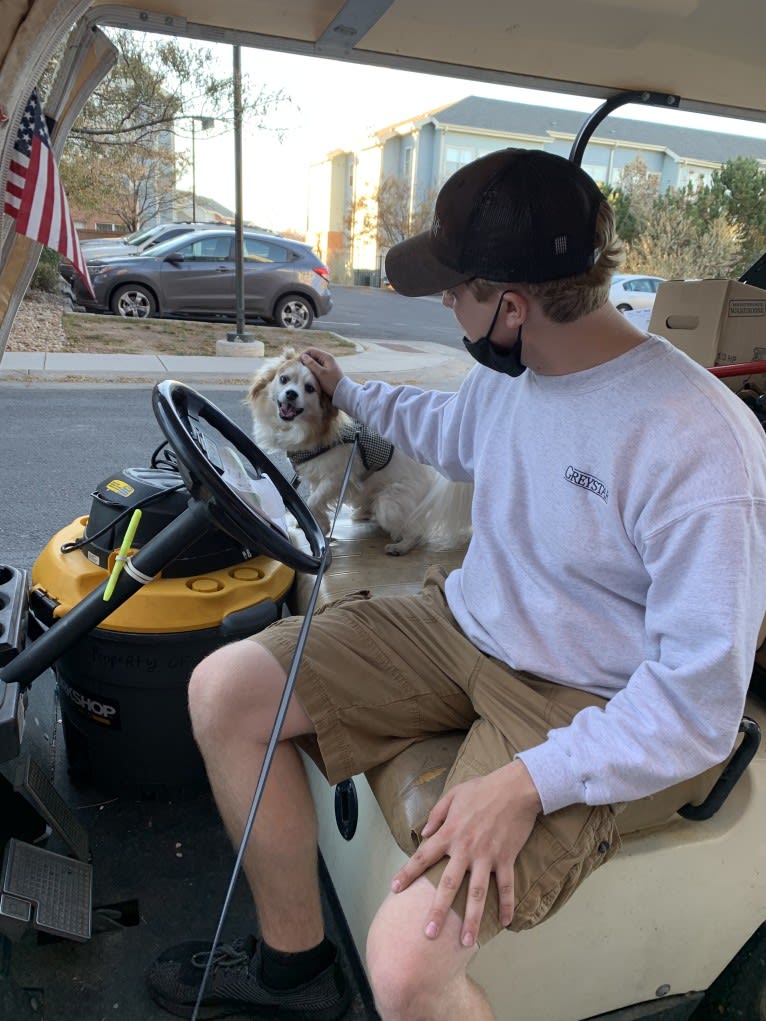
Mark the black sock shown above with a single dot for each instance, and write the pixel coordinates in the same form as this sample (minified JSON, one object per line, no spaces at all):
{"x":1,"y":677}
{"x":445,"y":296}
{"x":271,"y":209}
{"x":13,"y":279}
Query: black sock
{"x":280,"y":970}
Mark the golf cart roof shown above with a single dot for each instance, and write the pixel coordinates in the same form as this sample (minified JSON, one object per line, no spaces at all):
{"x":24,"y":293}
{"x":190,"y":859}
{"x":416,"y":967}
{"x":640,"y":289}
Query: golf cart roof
{"x":706,"y":52}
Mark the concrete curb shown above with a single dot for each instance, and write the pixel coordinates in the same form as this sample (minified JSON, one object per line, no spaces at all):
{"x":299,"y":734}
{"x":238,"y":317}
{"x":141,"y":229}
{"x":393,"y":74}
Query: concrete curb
{"x":419,"y":363}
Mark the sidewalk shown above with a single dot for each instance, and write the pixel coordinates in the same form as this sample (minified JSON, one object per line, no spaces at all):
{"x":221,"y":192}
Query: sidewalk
{"x":420,"y":363}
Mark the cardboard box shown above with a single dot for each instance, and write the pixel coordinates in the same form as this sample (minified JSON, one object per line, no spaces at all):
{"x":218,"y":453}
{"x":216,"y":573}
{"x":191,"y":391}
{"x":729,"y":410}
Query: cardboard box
{"x":716,"y":322}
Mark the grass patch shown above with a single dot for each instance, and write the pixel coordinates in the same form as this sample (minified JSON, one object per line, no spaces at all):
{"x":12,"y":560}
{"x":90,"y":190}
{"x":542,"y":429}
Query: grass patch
{"x":96,"y":334}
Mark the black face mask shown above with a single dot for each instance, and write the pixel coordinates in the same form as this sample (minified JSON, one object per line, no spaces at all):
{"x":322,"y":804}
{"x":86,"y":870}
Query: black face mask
{"x":501,"y":359}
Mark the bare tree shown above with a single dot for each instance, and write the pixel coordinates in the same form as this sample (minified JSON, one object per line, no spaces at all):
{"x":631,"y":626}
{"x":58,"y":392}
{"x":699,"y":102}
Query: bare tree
{"x":388,"y":215}
{"x":120,"y":158}
{"x":633,"y":198}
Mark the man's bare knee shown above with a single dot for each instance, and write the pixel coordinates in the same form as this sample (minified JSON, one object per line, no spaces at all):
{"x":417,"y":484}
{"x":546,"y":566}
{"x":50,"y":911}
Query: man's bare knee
{"x":233,"y":686}
{"x":409,"y":973}
{"x":236,"y":690}
{"x":395,"y":978}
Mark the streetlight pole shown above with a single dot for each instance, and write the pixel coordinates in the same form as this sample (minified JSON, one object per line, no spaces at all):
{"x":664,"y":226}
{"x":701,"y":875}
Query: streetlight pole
{"x":194,"y":172}
{"x":206,"y":123}
{"x":239,"y":264}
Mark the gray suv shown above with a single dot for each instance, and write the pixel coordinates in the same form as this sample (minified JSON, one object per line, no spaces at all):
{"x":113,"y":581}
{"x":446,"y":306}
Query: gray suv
{"x":193,"y":276}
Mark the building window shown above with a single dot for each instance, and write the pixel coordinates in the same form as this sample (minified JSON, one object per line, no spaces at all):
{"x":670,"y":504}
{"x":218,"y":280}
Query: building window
{"x":457,"y":158}
{"x":694,"y":176}
{"x":407,"y":163}
{"x":111,"y":228}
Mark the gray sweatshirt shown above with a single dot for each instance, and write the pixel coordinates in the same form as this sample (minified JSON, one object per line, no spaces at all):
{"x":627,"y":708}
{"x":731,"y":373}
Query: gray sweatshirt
{"x":619,"y":546}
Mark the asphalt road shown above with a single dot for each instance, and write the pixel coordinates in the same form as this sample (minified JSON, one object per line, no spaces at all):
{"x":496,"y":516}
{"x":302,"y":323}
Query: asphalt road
{"x":60,"y":441}
{"x":368,"y":313}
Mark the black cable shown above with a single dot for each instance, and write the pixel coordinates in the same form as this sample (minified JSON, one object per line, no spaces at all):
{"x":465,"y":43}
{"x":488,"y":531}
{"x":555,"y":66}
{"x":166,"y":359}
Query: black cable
{"x":169,"y":462}
{"x":69,"y":547}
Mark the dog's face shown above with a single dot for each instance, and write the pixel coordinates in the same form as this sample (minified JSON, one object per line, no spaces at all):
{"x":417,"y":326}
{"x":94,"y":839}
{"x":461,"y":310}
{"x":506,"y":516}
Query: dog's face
{"x":289,"y":405}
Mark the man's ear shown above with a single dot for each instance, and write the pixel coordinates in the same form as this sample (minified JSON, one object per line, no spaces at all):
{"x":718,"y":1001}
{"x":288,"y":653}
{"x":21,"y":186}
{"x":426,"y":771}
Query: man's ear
{"x":515,"y":308}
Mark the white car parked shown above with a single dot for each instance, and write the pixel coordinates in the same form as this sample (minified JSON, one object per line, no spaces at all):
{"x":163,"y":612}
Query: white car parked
{"x":634,"y":290}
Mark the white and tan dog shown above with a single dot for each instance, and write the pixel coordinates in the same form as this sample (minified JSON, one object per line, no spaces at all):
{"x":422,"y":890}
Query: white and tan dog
{"x":412,"y":502}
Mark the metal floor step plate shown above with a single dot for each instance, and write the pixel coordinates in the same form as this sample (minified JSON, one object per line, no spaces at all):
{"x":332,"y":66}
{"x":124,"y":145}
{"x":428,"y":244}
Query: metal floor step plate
{"x":45,"y":891}
{"x":34,"y":785}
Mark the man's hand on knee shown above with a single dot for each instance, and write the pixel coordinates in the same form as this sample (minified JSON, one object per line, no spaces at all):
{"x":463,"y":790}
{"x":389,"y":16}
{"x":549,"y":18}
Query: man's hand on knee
{"x":481,"y":826}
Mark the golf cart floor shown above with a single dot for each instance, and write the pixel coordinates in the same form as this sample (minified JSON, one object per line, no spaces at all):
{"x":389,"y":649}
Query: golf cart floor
{"x":162,"y":863}
{"x":161,"y":868}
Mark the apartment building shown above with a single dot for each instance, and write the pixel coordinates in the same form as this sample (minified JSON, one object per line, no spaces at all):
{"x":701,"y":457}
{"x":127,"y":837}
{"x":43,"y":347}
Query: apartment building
{"x":426,"y":149}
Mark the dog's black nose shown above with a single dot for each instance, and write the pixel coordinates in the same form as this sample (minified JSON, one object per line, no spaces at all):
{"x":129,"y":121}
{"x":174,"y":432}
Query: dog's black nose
{"x":291,"y":395}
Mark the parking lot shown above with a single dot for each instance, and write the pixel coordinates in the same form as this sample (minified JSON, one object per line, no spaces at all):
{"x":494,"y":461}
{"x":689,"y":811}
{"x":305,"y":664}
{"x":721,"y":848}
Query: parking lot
{"x":368,"y":313}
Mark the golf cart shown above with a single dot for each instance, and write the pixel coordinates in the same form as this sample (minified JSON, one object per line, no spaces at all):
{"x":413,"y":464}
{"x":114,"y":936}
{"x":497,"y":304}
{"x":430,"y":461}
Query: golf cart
{"x":674,"y":927}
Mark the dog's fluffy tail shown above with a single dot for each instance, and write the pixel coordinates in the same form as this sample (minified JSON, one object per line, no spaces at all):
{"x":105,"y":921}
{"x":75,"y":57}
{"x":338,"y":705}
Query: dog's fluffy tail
{"x":444,"y":515}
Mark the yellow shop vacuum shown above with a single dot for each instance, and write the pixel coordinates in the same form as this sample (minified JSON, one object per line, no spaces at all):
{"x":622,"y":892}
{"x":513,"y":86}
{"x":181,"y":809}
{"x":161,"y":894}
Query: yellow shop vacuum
{"x":123,"y":686}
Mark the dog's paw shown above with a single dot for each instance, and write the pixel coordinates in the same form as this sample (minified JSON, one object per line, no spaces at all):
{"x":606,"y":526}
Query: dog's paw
{"x":399,"y":548}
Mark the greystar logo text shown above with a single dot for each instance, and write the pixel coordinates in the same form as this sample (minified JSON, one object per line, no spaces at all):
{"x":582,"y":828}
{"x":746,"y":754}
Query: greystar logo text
{"x":586,"y":481}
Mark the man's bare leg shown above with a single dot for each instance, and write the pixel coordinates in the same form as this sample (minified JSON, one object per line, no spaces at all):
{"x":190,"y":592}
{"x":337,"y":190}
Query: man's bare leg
{"x":419,"y":979}
{"x":233,"y":700}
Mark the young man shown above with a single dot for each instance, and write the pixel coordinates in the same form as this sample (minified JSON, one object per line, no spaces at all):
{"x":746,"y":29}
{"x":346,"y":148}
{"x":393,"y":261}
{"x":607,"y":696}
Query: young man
{"x":596,"y":644}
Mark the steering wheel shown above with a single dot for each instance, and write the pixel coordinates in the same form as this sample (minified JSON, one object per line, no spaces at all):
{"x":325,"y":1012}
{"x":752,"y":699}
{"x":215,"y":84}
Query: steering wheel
{"x":182,"y":414}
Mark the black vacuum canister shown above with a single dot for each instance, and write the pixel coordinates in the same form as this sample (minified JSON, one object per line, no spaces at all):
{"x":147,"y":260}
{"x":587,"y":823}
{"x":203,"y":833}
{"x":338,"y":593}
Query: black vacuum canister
{"x":162,"y":496}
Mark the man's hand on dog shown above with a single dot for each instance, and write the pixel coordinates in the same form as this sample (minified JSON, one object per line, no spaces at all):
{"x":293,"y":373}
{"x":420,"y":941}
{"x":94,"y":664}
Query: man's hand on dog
{"x":481,"y":826}
{"x":324,"y":367}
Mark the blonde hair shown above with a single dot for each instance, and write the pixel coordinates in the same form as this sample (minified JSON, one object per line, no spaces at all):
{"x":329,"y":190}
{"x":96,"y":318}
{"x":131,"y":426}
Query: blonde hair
{"x":570,"y":298}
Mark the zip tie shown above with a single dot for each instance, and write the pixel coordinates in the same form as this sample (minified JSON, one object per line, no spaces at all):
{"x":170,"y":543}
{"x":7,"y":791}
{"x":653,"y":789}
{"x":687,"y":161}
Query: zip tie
{"x":134,"y":572}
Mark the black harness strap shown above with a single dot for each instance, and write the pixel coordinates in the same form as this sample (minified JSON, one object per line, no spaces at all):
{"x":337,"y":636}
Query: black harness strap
{"x":375,"y":452}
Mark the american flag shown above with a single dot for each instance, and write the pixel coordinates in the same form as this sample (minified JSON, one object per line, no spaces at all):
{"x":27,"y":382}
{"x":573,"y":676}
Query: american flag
{"x":34,"y":196}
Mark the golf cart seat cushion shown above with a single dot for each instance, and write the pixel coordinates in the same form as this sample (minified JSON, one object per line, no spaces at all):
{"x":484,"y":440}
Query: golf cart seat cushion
{"x":409,"y":785}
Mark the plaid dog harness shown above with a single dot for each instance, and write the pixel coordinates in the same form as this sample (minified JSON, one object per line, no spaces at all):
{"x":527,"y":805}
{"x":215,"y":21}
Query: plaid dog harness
{"x":375,"y":452}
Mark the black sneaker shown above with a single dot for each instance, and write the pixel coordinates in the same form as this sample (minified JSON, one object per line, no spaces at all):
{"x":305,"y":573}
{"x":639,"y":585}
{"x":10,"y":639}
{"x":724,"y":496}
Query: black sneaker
{"x":234,"y":985}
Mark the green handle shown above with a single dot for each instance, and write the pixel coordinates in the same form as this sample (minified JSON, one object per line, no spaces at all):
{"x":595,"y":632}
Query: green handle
{"x":122,"y":556}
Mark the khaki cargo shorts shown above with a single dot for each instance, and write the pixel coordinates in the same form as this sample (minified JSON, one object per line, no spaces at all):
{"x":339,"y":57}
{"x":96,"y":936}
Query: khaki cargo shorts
{"x":379,"y":674}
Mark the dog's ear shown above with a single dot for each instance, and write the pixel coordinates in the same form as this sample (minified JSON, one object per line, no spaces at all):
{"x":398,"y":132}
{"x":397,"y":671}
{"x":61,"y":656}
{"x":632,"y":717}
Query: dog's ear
{"x":261,"y":381}
{"x":330,"y":418}
{"x":288,"y":353}
{"x":328,"y":408}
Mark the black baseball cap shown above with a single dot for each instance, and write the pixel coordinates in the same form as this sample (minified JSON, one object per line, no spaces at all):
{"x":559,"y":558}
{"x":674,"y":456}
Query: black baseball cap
{"x":515,"y":215}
